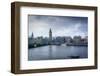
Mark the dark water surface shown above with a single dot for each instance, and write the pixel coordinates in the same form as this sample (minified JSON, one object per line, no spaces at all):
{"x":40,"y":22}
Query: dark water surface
{"x":57,"y":52}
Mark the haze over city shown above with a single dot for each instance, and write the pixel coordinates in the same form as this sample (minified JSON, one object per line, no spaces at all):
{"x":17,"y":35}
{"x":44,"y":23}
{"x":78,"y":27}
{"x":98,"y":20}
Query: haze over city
{"x":60,"y":25}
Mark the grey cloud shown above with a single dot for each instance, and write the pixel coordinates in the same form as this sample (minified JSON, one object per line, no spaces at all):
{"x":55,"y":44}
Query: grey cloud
{"x":58,"y":23}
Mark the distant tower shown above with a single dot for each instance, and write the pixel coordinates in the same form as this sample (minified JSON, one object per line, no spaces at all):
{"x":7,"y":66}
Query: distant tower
{"x":32,"y":36}
{"x":50,"y":35}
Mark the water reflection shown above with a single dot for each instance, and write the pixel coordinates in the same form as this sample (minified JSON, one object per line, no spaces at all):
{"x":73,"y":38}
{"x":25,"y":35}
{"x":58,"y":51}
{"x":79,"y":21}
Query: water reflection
{"x":50,"y":51}
{"x":57,"y":52}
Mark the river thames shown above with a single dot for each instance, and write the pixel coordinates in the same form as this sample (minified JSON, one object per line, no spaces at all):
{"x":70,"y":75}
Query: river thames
{"x":51,"y":52}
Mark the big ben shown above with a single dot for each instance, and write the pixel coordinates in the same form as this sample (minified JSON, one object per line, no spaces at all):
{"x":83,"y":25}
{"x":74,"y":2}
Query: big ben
{"x":50,"y":35}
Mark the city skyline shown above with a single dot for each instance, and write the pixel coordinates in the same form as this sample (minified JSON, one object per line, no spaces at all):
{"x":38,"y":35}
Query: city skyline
{"x":60,"y":25}
{"x":32,"y":35}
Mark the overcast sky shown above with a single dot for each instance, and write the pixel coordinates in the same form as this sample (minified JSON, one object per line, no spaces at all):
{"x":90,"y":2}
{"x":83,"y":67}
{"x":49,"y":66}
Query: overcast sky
{"x":60,"y":25}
